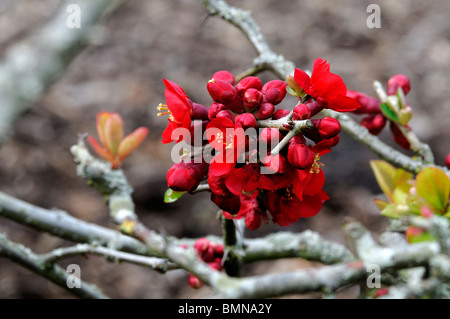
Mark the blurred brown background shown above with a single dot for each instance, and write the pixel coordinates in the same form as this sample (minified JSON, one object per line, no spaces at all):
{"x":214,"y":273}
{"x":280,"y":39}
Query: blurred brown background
{"x":143,"y":42}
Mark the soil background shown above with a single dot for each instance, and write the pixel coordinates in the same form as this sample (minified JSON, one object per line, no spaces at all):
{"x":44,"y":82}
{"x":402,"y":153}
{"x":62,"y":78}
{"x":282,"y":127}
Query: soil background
{"x":143,"y":42}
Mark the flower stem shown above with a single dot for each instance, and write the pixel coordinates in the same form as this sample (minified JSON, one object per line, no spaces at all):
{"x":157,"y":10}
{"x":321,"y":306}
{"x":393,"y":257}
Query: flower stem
{"x":232,"y":264}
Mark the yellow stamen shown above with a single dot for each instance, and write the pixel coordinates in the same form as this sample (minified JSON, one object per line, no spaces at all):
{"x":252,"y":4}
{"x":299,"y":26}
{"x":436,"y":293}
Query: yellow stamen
{"x":315,"y":168}
{"x":161,"y":107}
{"x":163,"y":113}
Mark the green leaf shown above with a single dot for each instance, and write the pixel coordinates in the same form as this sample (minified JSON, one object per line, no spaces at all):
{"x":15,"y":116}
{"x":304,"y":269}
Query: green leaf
{"x":401,"y":193}
{"x":381,"y":204}
{"x":395,"y":210}
{"x":402,"y":176}
{"x":423,"y":237}
{"x":389,"y":112}
{"x":171,"y":196}
{"x":291,"y":91}
{"x":384,"y":174}
{"x":433,"y":185}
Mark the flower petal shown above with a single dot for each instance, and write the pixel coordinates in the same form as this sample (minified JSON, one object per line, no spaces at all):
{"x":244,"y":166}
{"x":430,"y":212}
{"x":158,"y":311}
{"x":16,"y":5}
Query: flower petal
{"x":177,"y":101}
{"x":302,"y":79}
{"x":342,"y":103}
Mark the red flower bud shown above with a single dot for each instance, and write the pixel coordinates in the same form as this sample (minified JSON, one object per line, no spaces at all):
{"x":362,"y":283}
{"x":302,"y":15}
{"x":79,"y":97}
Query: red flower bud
{"x":214,"y":265}
{"x":228,"y":202}
{"x":274,"y":91}
{"x":399,"y":138}
{"x":270,"y":136}
{"x":250,"y":82}
{"x":198,"y":111}
{"x":374,"y":123}
{"x":279,"y":114}
{"x":208,"y":254}
{"x":265,"y":111}
{"x":397,"y":81}
{"x":185,"y":176}
{"x":301,"y":112}
{"x":300,"y":156}
{"x":237,"y":106}
{"x":214,"y":109}
{"x":252,"y":98}
{"x":326,"y":144}
{"x":275,"y":164}
{"x":201,"y":245}
{"x":194,"y":282}
{"x":221,"y":91}
{"x":368,"y":104}
{"x":314,"y":107}
{"x":245,"y":120}
{"x":224,"y":76}
{"x":328,"y":127}
{"x":447,"y":161}
{"x":219,"y":250}
{"x":226,"y":114}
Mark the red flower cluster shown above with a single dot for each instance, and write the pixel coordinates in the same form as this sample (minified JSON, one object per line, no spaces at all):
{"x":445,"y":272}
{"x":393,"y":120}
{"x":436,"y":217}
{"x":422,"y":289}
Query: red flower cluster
{"x":286,"y":184}
{"x":211,"y":253}
{"x":374,"y":119}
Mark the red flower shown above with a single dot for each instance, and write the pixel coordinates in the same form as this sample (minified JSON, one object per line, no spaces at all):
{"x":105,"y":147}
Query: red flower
{"x":286,"y":208}
{"x":252,"y":209}
{"x":325,"y":87}
{"x":229,"y":140}
{"x":178,"y":108}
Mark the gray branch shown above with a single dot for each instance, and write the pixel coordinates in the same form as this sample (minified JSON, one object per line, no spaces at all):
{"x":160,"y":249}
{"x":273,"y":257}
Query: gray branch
{"x":25,"y":257}
{"x":32,"y":65}
{"x":154,"y":263}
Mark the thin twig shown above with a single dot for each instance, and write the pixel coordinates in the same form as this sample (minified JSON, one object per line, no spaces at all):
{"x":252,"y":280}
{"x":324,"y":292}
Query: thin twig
{"x":25,"y":257}
{"x":158,"y":264}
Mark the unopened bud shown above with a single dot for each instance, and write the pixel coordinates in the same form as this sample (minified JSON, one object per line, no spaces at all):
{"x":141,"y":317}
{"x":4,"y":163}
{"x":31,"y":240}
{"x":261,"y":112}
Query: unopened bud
{"x":300,"y":156}
{"x":245,"y":120}
{"x":194,"y":282}
{"x":252,"y":99}
{"x":301,"y":112}
{"x":398,"y":81}
{"x":185,"y":176}
{"x":226,"y":114}
{"x":328,"y":127}
{"x":314,"y":107}
{"x":275,"y":164}
{"x":398,"y":136}
{"x":201,"y":245}
{"x":224,"y":76}
{"x":274,"y":91}
{"x":250,"y":82}
{"x":214,"y":109}
{"x":221,"y":91}
{"x":198,"y":111}
{"x":265,"y":111}
{"x":374,"y":123}
{"x":368,"y":104}
{"x":279,"y":114}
